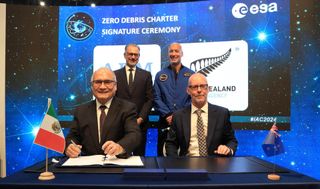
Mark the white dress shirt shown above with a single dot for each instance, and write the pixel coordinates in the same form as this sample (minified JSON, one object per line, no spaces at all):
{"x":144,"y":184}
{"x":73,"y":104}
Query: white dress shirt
{"x":128,"y":72}
{"x":193,"y":145}
{"x":98,"y":104}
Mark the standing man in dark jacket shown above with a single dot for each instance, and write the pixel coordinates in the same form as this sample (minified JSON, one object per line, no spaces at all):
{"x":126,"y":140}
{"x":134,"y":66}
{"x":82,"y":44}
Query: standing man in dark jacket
{"x":135,"y":85}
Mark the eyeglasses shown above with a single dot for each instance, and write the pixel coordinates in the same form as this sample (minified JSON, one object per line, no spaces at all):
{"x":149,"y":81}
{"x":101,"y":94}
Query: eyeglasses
{"x":196,"y":87}
{"x":133,"y":54}
{"x":106,"y":82}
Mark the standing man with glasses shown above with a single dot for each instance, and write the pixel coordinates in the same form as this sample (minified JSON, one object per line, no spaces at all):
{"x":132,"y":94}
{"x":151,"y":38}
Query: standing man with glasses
{"x":135,"y":85}
{"x":169,"y":91}
{"x":106,"y":125}
{"x":202,"y":129}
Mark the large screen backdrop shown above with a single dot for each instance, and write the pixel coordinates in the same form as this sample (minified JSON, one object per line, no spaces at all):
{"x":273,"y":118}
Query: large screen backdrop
{"x":242,"y":48}
{"x":52,"y":52}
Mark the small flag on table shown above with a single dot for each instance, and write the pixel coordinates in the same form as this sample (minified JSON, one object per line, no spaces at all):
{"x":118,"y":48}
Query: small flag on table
{"x":272,"y":144}
{"x":50,"y":134}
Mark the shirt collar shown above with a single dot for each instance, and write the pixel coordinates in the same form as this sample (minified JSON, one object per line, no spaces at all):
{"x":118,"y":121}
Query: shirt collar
{"x":106,"y":104}
{"x":204,"y":108}
{"x":169,"y":66}
{"x":127,"y":68}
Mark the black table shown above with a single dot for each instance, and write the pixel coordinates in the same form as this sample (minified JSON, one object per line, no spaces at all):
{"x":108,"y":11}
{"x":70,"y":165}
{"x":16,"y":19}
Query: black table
{"x":233,"y":172}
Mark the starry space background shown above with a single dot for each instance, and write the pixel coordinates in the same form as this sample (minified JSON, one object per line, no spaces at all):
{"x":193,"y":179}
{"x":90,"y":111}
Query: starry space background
{"x":33,"y":73}
{"x":269,"y":68}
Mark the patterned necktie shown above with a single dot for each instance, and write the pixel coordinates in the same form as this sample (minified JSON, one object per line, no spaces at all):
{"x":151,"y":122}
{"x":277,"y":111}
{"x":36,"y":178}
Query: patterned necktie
{"x":201,"y":137}
{"x":102,"y":119}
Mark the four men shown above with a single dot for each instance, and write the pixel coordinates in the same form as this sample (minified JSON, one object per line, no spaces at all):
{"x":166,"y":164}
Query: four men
{"x":110,"y":123}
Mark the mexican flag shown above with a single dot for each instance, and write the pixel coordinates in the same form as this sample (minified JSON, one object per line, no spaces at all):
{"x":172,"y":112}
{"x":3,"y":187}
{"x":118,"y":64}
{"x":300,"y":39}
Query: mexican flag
{"x":50,"y":134}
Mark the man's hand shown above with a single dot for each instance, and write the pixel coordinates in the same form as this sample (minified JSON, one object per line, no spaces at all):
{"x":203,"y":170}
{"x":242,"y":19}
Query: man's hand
{"x":139,"y":120}
{"x":169,"y":119}
{"x":111,"y":148}
{"x":73,"y":151}
{"x":223,"y":149}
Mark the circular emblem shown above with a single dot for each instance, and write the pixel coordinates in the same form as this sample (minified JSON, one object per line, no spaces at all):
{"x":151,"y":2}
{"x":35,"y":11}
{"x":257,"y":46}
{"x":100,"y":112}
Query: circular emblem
{"x":239,"y":10}
{"x":79,"y":26}
{"x":163,"y":77}
{"x":56,"y":127}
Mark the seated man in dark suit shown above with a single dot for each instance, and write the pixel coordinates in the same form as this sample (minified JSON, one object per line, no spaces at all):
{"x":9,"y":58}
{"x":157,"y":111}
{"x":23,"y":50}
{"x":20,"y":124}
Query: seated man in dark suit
{"x":202,"y":129}
{"x":106,"y":125}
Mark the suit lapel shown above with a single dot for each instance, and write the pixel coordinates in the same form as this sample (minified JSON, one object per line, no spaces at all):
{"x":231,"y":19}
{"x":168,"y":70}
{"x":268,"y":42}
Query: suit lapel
{"x":112,"y":113}
{"x":93,"y":123}
{"x":211,"y":123}
{"x":187,"y":125}
{"x":136,"y":78}
{"x":124,"y":79}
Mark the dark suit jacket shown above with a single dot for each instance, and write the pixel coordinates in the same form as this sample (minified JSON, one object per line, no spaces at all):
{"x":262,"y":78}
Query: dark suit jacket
{"x":121,"y":127}
{"x":219,"y":131}
{"x":142,"y":93}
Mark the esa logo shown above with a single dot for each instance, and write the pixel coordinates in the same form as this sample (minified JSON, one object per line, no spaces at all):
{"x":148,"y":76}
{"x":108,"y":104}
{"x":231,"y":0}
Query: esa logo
{"x":240,"y":10}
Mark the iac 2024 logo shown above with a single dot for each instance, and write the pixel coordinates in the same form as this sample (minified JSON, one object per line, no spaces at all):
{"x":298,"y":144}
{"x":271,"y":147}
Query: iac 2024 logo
{"x":79,"y":26}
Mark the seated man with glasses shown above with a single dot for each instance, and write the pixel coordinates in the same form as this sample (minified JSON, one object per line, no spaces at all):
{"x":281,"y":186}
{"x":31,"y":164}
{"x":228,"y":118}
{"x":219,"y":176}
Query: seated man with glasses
{"x":106,"y":125}
{"x":201,"y":129}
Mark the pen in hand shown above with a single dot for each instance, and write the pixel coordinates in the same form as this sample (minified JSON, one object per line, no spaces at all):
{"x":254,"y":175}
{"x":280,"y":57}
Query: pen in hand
{"x":76,"y":146}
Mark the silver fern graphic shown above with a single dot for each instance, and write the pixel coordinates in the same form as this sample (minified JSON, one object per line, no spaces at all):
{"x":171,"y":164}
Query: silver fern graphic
{"x":207,"y":65}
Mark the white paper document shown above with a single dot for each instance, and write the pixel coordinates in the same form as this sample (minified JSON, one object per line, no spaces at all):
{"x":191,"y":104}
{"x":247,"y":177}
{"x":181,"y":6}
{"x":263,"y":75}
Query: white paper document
{"x":134,"y":161}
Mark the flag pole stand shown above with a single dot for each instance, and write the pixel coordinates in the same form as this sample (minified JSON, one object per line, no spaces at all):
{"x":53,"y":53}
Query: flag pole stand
{"x":46,"y":175}
{"x":274,"y":177}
